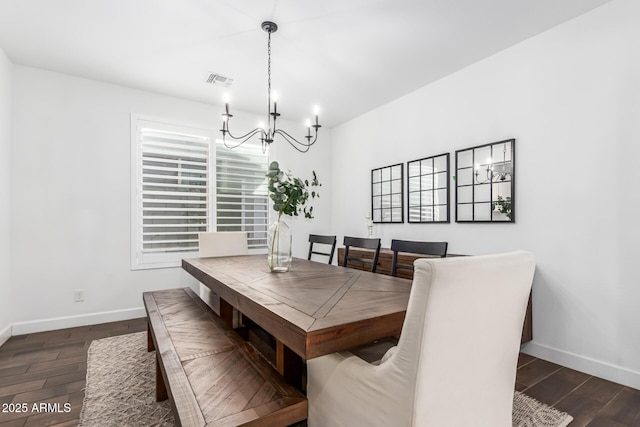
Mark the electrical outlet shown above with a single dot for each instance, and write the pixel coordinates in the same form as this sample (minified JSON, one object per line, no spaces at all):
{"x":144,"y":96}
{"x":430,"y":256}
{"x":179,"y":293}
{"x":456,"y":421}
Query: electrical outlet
{"x":78,"y":295}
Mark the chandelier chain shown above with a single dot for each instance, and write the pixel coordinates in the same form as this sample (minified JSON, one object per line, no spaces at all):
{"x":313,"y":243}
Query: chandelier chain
{"x":269,"y":63}
{"x":269,"y":79}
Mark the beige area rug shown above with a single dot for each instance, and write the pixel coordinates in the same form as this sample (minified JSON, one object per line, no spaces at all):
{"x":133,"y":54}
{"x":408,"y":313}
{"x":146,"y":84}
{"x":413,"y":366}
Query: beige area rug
{"x":120,"y":390}
{"x":528,"y":412}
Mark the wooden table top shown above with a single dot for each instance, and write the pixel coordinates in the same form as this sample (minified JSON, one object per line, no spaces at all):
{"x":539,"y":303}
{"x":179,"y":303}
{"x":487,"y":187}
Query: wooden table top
{"x":314,"y":308}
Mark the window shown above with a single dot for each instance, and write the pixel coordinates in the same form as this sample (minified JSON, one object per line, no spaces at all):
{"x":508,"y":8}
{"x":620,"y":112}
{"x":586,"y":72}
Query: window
{"x":183,"y":184}
{"x":170,"y":192}
{"x":242,"y":201}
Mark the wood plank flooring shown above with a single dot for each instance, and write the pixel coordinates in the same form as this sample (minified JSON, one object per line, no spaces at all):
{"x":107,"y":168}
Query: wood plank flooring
{"x":50,"y":367}
{"x":592,"y":401}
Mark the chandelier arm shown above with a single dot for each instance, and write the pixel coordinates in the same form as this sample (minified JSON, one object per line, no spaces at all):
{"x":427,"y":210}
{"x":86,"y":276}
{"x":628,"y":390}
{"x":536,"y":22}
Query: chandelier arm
{"x":246,"y":137}
{"x":294,"y":142}
{"x":492,"y":177}
{"x":290,"y":138}
{"x":484,"y":181}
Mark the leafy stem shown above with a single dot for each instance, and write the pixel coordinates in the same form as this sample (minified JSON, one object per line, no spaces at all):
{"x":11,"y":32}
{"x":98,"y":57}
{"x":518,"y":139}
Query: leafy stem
{"x":290,"y":195}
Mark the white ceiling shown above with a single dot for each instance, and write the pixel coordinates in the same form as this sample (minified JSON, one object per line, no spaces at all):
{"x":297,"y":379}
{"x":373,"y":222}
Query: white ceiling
{"x":348,"y":56}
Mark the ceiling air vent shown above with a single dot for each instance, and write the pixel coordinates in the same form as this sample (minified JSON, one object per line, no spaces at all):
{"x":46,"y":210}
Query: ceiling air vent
{"x":214,"y":78}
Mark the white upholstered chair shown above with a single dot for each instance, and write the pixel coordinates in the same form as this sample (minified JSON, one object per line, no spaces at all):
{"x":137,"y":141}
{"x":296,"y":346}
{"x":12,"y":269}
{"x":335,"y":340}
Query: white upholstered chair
{"x":229,"y":243}
{"x":215,"y":244}
{"x":455,"y":363}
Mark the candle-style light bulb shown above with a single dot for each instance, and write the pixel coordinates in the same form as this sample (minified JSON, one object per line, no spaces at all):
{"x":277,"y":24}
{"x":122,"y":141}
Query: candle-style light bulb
{"x":316,"y":111}
{"x":274,"y":97}
{"x":226,"y":103}
{"x":307,"y":123}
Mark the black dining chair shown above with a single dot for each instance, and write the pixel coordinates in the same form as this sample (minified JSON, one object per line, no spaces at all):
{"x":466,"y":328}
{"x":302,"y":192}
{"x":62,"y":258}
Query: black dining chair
{"x":324,"y":240}
{"x":438,"y":249}
{"x":358,"y":242}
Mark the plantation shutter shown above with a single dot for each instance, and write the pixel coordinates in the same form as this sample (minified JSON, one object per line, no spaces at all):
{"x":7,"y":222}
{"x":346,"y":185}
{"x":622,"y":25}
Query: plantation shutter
{"x":173,"y":191}
{"x":242,"y":200}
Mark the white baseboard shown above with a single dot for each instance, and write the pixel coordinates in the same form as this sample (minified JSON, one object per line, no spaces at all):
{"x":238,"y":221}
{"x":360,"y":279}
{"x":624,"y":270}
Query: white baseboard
{"x":5,"y":334}
{"x":21,"y":328}
{"x":584,"y":364}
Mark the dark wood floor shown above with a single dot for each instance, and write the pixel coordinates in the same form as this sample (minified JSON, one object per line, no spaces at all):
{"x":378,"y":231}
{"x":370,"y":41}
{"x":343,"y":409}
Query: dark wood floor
{"x":50,"y":367}
{"x":592,"y":401}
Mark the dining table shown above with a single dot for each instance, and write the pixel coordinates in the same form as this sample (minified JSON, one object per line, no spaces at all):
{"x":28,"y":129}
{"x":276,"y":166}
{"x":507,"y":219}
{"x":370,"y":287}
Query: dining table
{"x":311,"y":310}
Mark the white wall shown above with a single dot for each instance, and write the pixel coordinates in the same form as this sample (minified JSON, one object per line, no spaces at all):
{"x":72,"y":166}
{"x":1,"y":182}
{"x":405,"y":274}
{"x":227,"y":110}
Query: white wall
{"x":571,"y":98}
{"x":71,"y":205}
{"x":5,"y":196}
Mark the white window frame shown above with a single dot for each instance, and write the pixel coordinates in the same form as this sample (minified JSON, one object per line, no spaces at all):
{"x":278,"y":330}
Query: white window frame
{"x":173,"y":259}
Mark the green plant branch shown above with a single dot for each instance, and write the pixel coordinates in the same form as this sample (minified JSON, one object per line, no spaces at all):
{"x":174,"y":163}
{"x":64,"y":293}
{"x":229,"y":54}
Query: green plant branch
{"x":290,"y":196}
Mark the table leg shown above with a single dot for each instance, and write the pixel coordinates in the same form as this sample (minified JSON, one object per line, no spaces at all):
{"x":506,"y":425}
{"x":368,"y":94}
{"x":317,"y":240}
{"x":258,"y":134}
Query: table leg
{"x":291,"y":366}
{"x":161,"y":388}
{"x":226,"y":313}
{"x":150,"y":345}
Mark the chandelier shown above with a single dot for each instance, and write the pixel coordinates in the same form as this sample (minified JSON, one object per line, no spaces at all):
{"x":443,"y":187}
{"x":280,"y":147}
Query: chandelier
{"x":496,"y":171}
{"x":267,"y":134}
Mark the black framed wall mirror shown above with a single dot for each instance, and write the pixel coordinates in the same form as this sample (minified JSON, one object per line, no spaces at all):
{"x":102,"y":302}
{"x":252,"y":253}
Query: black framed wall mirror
{"x":485,"y":183}
{"x":428,"y":189}
{"x":386,"y":194}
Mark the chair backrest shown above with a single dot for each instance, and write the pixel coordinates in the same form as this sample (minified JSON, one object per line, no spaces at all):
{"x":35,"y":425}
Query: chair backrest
{"x":214,"y":244}
{"x":363,"y":243}
{"x":475,"y":303}
{"x":324,"y":240}
{"x":424,"y":248}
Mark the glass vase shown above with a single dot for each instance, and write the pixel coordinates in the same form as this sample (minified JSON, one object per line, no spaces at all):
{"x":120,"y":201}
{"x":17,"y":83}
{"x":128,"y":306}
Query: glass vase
{"x":279,"y":246}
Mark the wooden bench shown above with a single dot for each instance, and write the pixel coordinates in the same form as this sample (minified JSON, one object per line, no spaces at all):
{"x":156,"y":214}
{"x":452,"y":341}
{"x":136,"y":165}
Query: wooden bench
{"x":213,"y":376}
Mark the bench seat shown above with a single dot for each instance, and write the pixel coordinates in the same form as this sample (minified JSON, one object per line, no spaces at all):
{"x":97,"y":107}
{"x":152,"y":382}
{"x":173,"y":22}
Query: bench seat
{"x":213,"y":376}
